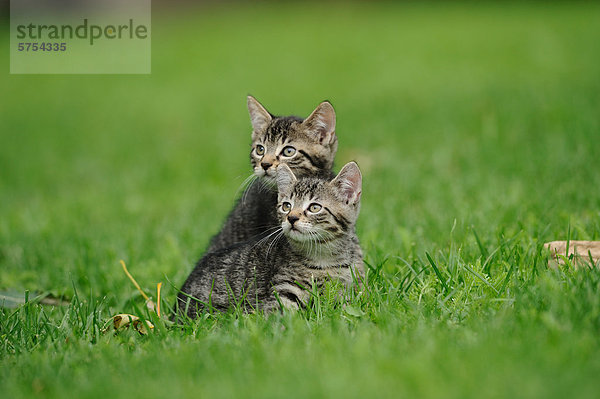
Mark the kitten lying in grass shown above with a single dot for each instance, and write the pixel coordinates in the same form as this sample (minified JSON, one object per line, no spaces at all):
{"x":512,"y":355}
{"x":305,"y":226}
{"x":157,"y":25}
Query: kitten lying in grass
{"x":307,"y":146}
{"x":316,"y":240}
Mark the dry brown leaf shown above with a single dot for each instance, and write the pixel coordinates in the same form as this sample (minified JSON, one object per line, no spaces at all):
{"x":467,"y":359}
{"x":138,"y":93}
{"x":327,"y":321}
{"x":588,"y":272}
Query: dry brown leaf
{"x":124,"y":320}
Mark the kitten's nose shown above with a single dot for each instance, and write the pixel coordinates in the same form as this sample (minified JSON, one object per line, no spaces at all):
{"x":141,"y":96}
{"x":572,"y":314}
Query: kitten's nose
{"x":266,"y":165}
{"x":292,"y":219}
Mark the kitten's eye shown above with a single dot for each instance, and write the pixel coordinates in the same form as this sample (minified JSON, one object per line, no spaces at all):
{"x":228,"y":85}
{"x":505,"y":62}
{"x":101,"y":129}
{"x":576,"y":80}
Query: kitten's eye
{"x":260,"y":150}
{"x":286,"y":206}
{"x":314,"y":208}
{"x":288,"y":151}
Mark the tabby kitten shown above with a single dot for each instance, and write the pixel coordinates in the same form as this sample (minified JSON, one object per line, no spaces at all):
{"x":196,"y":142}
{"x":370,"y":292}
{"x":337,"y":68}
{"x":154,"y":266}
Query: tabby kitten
{"x":307,"y":146}
{"x":316,"y":240}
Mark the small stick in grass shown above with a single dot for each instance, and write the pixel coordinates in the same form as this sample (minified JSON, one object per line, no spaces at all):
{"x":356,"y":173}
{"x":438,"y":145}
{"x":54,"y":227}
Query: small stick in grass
{"x":158,"y":286}
{"x":133,"y":281}
{"x":581,"y":253}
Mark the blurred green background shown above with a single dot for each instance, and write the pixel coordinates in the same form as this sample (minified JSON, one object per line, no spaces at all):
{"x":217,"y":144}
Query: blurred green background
{"x":463,"y":117}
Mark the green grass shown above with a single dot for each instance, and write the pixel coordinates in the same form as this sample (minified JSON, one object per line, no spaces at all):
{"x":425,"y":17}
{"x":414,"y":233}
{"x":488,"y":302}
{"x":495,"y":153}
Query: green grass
{"x":476,"y":127}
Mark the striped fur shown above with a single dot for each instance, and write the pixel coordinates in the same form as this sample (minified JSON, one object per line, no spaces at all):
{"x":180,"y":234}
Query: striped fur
{"x":280,"y":270}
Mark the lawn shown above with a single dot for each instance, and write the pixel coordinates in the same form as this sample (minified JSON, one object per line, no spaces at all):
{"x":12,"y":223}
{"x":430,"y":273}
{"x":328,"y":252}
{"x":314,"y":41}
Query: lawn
{"x":476,"y":126}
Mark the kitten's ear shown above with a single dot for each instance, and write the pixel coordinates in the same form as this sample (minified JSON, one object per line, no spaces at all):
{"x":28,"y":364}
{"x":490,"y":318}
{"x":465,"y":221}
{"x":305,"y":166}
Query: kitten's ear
{"x":285,"y":178}
{"x":259,"y":116}
{"x":321,"y":123}
{"x":348,"y":183}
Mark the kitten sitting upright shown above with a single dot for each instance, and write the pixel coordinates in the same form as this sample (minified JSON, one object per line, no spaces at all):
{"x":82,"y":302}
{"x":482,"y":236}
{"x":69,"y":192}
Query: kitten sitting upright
{"x":316,"y":241}
{"x":307,"y":146}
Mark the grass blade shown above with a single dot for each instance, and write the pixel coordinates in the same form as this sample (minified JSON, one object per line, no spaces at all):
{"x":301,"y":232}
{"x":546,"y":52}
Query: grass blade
{"x":436,"y":270}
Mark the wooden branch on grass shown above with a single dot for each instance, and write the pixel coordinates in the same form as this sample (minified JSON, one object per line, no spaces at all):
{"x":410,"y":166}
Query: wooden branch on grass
{"x":580,"y":253}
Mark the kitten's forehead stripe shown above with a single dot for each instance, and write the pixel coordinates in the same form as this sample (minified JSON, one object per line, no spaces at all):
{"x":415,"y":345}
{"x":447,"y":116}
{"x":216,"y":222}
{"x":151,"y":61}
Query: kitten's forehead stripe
{"x":280,"y":128}
{"x":308,"y":187}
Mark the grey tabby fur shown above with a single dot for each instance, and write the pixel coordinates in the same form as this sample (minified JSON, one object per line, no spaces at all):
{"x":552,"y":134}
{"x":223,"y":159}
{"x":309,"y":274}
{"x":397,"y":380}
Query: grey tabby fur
{"x":316,"y":240}
{"x":314,"y":142}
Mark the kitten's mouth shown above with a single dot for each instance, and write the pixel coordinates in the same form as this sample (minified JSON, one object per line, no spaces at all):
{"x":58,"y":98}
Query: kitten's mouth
{"x":267,"y":176}
{"x":305,"y":236}
{"x":296,"y":234}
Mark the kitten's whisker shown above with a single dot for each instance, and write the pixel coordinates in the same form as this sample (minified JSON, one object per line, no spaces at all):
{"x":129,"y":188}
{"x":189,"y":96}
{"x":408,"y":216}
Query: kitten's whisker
{"x":324,"y":235}
{"x":266,"y":226}
{"x":252,"y":179}
{"x":318,"y":242}
{"x":262,"y":240}
{"x":263,"y":188}
{"x":271,"y":234}
{"x":245,"y":184}
{"x":312,"y":242}
{"x":277,"y":237}
{"x":270,"y":229}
